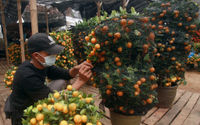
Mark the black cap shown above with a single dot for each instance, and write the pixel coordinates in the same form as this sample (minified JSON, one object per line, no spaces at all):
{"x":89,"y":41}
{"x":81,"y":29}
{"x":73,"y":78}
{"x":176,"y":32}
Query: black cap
{"x":42,"y":42}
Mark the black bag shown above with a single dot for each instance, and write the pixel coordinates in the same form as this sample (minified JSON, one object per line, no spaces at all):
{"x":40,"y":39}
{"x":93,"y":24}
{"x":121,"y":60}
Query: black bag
{"x":7,"y":108}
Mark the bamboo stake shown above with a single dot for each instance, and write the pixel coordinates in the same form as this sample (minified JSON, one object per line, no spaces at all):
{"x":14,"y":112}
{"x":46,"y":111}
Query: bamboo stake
{"x":47,"y":20}
{"x":34,"y":17}
{"x":124,"y":3}
{"x":99,"y":4}
{"x":4,"y":30}
{"x":21,"y":30}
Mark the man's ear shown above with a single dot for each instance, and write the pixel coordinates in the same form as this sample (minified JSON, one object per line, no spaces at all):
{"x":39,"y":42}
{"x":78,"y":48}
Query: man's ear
{"x":37,"y":56}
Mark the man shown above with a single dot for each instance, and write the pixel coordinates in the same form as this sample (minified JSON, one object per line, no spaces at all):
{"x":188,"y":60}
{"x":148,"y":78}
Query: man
{"x":28,"y":84}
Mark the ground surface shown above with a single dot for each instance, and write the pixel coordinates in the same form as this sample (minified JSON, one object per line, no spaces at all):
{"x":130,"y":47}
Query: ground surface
{"x":193,"y":81}
{"x":185,"y":109}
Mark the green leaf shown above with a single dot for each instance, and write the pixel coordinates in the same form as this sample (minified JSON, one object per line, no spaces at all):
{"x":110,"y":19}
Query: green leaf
{"x":146,"y":58}
{"x":35,"y":110}
{"x":83,"y":111}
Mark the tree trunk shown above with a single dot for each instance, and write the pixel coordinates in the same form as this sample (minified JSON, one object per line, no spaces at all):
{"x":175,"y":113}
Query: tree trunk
{"x":124,"y":3}
{"x":47,"y":21}
{"x":34,"y":16}
{"x":4,"y":30}
{"x":21,"y":30}
{"x":99,"y":4}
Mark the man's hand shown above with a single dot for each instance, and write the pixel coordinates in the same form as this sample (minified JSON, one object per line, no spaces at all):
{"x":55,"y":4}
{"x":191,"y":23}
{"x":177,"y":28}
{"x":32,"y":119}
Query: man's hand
{"x":75,"y":70}
{"x":84,"y":75}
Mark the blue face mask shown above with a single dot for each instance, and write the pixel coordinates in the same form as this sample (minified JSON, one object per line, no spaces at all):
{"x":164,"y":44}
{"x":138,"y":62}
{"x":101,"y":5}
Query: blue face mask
{"x":49,"y":60}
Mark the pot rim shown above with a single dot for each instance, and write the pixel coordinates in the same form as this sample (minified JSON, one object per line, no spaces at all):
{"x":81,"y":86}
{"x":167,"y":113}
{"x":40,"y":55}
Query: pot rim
{"x":170,"y":87}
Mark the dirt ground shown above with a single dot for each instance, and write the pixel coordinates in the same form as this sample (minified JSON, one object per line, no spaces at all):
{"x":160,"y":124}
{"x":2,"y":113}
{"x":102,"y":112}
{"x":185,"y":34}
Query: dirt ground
{"x":193,"y":81}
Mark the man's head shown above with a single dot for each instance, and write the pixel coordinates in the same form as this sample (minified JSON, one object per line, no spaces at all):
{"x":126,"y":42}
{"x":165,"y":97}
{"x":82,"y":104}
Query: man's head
{"x":43,"y":49}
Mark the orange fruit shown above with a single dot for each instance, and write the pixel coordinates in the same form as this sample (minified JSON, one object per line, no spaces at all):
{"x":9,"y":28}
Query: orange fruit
{"x":93,"y":40}
{"x":98,"y":123}
{"x":160,"y":27}
{"x":84,"y":118}
{"x":152,"y":77}
{"x":143,"y":80}
{"x":33,"y":121}
{"x":110,"y":34}
{"x":173,"y":58}
{"x":69,"y":87}
{"x":77,"y":119}
{"x":105,"y":28}
{"x":119,"y":49}
{"x":97,"y":46}
{"x":121,"y":108}
{"x":153,"y":26}
{"x":63,"y":122}
{"x":152,"y":69}
{"x":139,"y":82}
{"x":120,"y":84}
{"x":136,"y":86}
{"x":89,"y":61}
{"x":123,"y":22}
{"x":75,"y":93}
{"x":136,"y":93}
{"x":131,"y":111}
{"x":149,"y":100}
{"x":65,"y":109}
{"x":160,"y":22}
{"x":118,"y":63}
{"x":108,"y":92}
{"x":130,"y":22}
{"x":56,"y":95}
{"x":93,"y":33}
{"x":39,"y":117}
{"x":117,"y":59}
{"x":109,"y":86}
{"x":106,"y":42}
{"x":72,"y":107}
{"x":129,"y":45}
{"x":87,"y":38}
{"x":39,"y":107}
{"x":176,"y":12}
{"x":117,"y":35}
{"x":192,"y":26}
{"x":145,"y":20}
{"x":120,"y":93}
{"x":180,"y":24}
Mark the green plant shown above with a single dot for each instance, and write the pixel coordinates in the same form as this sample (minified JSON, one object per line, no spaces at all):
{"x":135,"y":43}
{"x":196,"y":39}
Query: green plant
{"x":121,"y":50}
{"x":87,"y":28}
{"x":66,"y":59}
{"x":9,"y":76}
{"x":173,"y":22}
{"x":69,"y":107}
{"x":14,"y":52}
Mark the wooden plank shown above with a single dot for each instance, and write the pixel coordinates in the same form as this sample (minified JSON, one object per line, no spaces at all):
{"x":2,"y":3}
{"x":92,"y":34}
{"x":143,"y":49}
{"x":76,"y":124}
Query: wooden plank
{"x":186,"y":110}
{"x":194,"y":117}
{"x":161,"y":112}
{"x":156,"y":116}
{"x":149,"y":113}
{"x":106,"y":120}
{"x":171,"y":114}
{"x":179,"y":93}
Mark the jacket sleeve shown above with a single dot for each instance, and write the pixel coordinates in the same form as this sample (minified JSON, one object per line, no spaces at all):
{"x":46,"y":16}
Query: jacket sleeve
{"x":35,"y":88}
{"x":54,"y":73}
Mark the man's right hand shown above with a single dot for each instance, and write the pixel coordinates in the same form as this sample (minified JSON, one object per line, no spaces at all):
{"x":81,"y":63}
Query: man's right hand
{"x":84,"y":75}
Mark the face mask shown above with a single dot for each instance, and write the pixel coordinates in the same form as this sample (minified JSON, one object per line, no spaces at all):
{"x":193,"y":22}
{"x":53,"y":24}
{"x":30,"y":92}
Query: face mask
{"x":49,"y":60}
